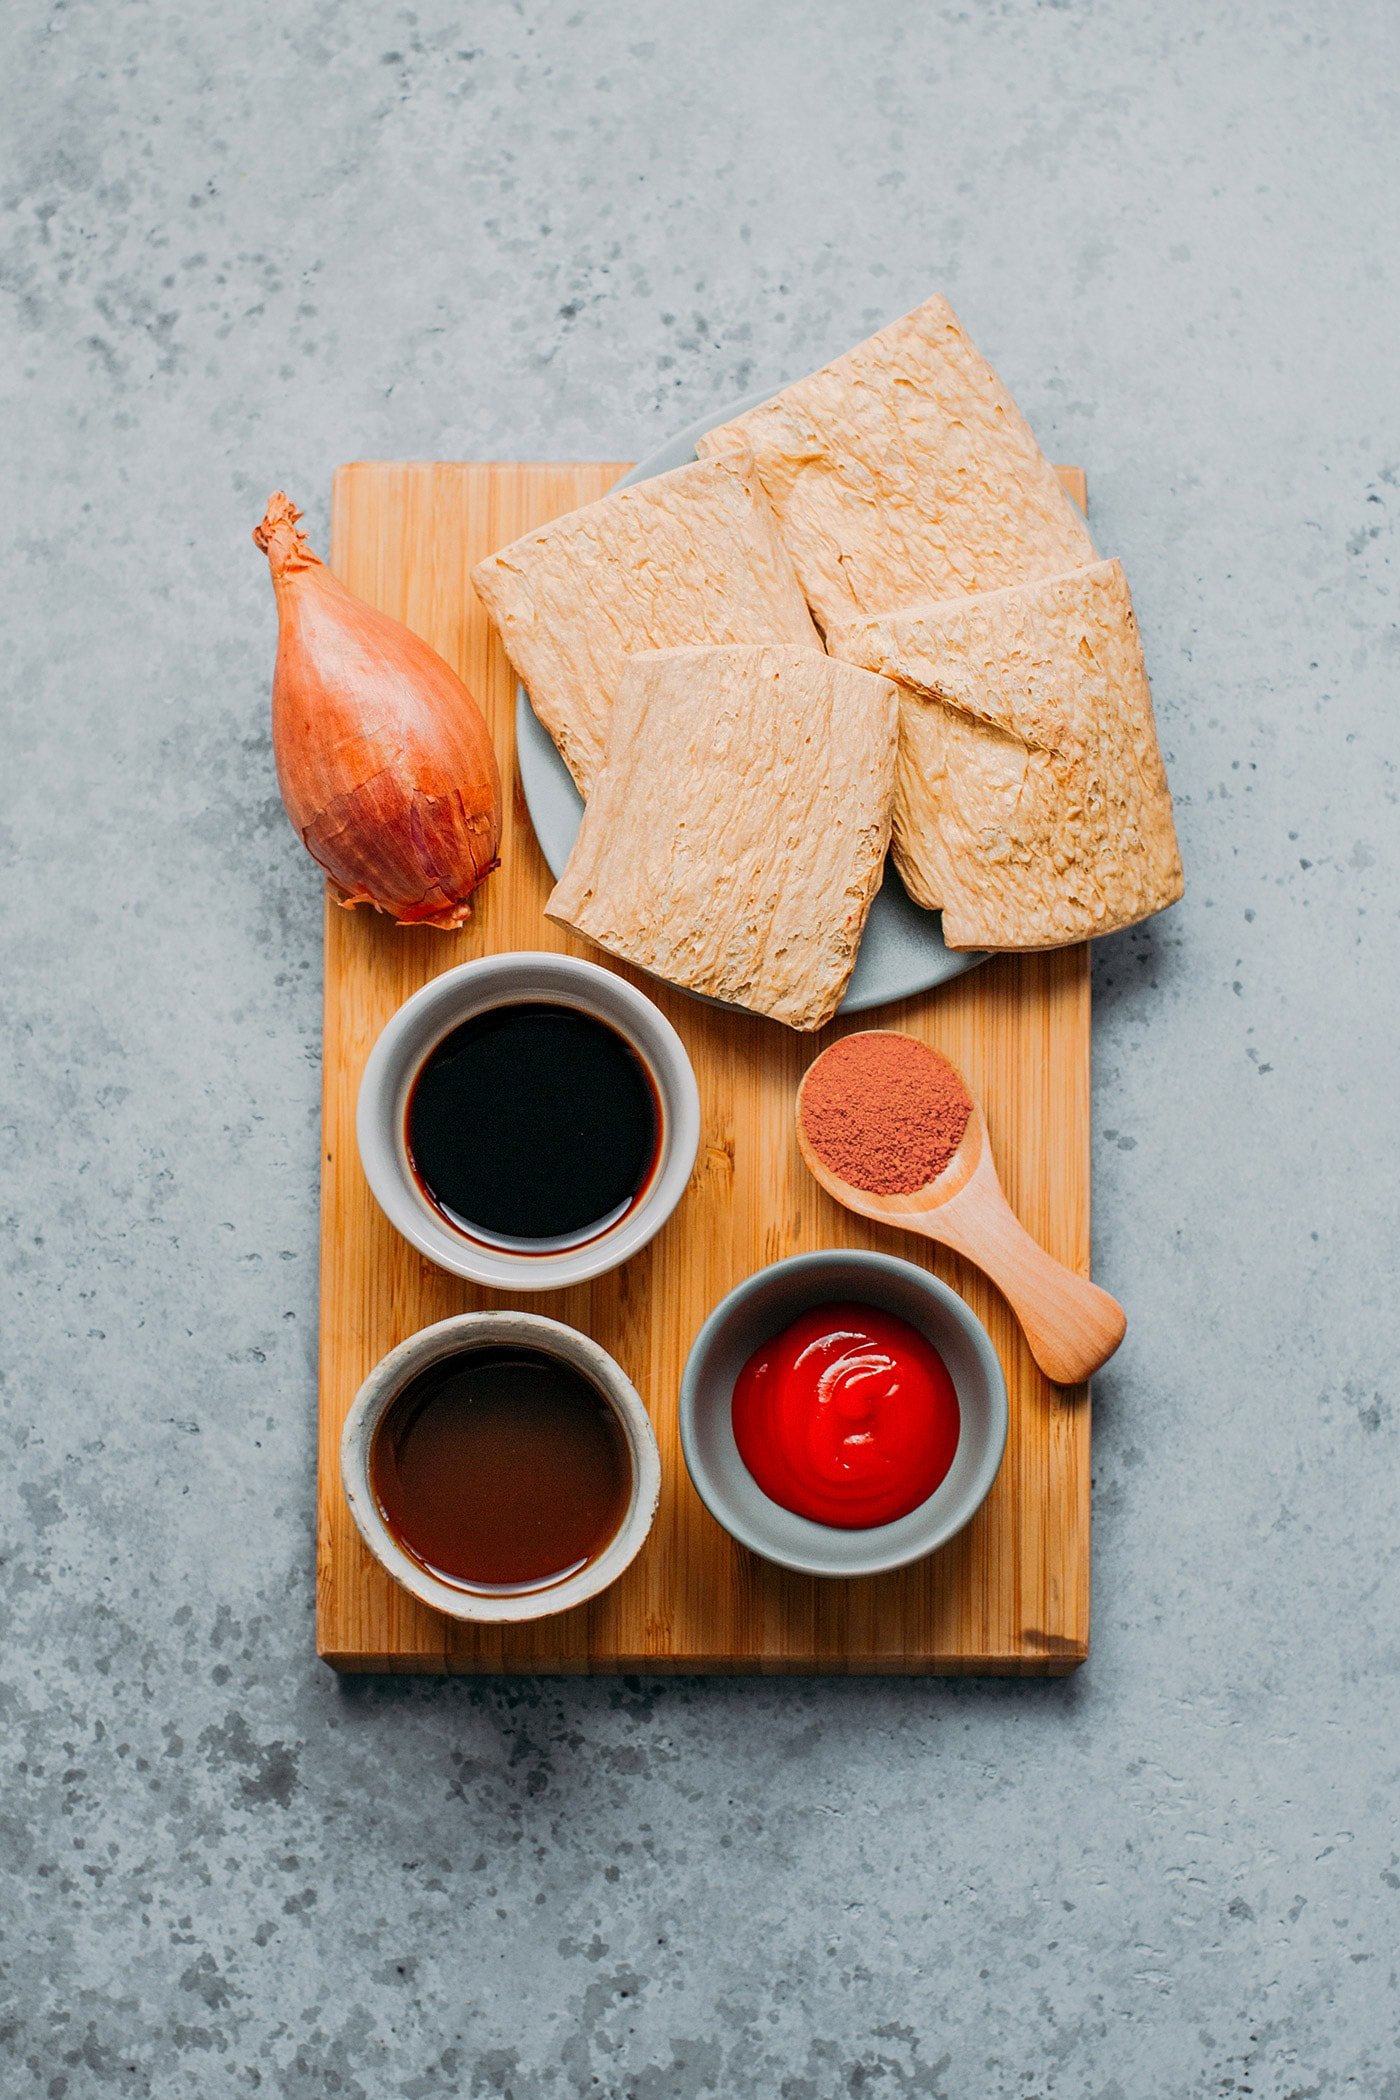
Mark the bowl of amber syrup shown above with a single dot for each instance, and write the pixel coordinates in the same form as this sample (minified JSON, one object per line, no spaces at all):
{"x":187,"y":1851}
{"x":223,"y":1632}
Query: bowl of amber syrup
{"x":501,"y":1467}
{"x":843,"y":1413}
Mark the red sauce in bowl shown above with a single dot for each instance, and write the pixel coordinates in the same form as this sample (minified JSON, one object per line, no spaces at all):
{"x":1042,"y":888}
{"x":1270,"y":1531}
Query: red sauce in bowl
{"x":848,"y":1417}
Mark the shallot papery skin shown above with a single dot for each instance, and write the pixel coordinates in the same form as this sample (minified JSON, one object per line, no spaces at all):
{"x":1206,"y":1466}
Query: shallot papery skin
{"x":384,"y":761}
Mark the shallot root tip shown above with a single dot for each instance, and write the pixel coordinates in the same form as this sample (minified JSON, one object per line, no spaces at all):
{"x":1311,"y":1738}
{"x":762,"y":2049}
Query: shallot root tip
{"x":277,"y":537}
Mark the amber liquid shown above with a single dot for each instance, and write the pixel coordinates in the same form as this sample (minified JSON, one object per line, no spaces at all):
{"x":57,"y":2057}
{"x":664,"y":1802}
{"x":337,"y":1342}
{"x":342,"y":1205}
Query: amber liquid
{"x":501,"y":1469}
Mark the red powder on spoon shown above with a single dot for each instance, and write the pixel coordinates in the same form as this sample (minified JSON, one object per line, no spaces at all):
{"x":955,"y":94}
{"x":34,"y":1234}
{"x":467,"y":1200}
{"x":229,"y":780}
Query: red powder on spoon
{"x":884,"y":1112}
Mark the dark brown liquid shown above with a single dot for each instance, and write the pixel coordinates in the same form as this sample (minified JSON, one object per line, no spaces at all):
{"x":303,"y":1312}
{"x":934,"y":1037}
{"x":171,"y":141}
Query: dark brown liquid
{"x":501,"y":1469}
{"x":533,"y":1123}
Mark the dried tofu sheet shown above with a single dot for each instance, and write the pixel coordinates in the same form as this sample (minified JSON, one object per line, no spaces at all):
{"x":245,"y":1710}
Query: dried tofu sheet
{"x":736,"y":834}
{"x":1032,"y":804}
{"x":689,"y":557}
{"x":905,"y":473}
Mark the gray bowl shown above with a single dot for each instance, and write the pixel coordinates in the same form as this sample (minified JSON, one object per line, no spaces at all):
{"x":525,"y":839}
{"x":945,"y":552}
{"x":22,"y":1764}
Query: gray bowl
{"x":441,"y":1005}
{"x":760,"y":1308}
{"x":454,"y":1337}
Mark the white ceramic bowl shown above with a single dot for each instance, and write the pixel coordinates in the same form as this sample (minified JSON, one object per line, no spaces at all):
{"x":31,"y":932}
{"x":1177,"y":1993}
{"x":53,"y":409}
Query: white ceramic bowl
{"x":761,"y":1307}
{"x":454,"y":1338}
{"x":504,"y":980}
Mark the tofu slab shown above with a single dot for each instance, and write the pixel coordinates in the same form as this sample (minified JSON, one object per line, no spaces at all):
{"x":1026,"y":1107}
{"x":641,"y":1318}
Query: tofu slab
{"x":1032,"y":804}
{"x":692,"y":556}
{"x":736,"y":834}
{"x":904,"y":473}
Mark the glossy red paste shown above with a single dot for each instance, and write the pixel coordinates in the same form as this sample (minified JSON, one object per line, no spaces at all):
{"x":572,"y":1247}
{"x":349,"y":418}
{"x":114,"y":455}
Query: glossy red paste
{"x":847,"y":1417}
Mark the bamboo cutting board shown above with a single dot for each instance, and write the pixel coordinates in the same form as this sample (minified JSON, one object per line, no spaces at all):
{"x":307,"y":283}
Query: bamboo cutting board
{"x":1011,"y":1594}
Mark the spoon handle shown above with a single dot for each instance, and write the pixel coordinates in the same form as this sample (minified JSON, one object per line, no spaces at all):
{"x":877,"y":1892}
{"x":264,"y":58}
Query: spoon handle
{"x":1072,"y":1326}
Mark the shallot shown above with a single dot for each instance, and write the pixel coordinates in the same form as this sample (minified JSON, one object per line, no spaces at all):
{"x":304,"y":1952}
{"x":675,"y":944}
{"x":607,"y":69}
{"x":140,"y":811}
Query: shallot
{"x":384,"y":761}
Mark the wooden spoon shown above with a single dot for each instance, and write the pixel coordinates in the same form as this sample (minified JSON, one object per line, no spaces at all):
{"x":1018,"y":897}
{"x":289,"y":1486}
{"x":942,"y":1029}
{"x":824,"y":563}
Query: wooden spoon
{"x":1072,"y":1326}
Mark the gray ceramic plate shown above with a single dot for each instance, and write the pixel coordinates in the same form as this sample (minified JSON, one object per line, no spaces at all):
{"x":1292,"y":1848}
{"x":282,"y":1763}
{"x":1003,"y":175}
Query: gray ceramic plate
{"x":902,"y":951}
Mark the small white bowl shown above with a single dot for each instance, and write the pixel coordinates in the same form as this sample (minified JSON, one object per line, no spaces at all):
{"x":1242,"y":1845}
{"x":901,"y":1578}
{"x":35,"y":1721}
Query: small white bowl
{"x":475,"y":988}
{"x":763,"y":1306}
{"x":494,"y":1330}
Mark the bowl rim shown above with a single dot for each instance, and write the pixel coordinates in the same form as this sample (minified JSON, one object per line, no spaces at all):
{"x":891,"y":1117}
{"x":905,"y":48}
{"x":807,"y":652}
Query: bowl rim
{"x":454,"y":996}
{"x":455,"y":1336}
{"x":812,"y":1562}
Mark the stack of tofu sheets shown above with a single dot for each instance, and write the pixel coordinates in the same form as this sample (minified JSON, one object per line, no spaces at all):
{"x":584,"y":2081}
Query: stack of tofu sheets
{"x":867,"y":615}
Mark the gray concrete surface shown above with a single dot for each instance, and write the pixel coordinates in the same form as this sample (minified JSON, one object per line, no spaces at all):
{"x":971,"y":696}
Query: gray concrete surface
{"x":243,"y":243}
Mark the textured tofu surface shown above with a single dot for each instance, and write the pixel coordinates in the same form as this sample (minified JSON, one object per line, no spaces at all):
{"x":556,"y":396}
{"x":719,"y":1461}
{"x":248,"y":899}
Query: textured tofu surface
{"x":905,"y":473}
{"x":692,"y":556}
{"x":1032,"y":804}
{"x":736,"y":834}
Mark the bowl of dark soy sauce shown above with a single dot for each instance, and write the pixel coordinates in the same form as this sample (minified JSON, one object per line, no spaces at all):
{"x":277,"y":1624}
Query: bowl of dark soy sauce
{"x":501,"y":1467}
{"x":528,"y":1120}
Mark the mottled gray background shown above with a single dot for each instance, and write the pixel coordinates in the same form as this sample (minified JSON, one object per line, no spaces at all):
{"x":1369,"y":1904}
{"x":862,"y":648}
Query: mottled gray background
{"x":244,"y":242}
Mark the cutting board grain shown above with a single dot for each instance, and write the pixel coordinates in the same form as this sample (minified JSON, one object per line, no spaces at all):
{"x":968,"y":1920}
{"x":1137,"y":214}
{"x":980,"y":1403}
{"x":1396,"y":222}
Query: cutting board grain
{"x":1011,"y":1595}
